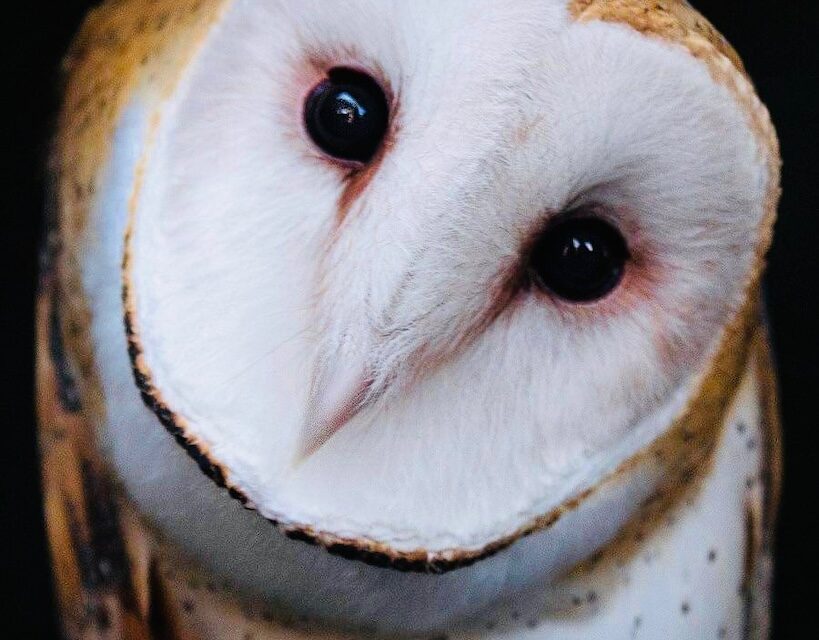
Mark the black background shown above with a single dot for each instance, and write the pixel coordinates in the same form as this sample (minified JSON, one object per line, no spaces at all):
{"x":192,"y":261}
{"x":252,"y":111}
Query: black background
{"x":777,"y":40}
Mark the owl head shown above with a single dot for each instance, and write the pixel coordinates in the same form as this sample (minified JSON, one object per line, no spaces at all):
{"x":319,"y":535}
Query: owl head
{"x":419,"y":282}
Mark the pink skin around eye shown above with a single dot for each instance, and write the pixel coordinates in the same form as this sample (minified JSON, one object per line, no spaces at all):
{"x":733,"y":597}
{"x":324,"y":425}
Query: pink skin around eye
{"x":641,"y":291}
{"x":645,"y":288}
{"x":641,"y":280}
{"x":306,"y":76}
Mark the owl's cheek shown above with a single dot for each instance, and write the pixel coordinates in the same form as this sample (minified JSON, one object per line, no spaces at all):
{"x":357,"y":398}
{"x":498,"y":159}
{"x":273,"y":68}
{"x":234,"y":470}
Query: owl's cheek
{"x":679,"y":350}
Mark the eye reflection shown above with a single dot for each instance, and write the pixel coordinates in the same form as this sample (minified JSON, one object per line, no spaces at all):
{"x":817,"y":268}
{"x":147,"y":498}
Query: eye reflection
{"x":347,"y":115}
{"x":348,"y":108}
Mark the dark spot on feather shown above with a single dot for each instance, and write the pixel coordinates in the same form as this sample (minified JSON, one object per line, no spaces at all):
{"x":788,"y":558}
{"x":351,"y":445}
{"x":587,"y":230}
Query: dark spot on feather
{"x":160,"y":616}
{"x":111,"y":568}
{"x":102,"y":618}
{"x":67,"y":390}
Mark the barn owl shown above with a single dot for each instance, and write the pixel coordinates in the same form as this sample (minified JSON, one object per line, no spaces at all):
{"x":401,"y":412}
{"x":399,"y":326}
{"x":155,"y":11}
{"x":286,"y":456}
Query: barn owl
{"x":408,"y":319}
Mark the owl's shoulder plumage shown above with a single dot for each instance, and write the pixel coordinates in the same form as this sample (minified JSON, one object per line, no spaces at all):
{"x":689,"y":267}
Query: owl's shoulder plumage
{"x":114,"y":577}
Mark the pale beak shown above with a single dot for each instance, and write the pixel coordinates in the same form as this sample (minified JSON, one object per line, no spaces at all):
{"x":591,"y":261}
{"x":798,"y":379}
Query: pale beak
{"x":339,"y":391}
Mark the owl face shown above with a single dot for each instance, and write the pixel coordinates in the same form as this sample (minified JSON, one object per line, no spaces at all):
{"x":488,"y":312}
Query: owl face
{"x":434,"y":340}
{"x":412,"y":276}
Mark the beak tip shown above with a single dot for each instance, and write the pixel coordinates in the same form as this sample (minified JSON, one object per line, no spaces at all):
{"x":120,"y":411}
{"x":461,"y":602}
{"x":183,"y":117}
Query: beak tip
{"x":330,"y":408}
{"x":304,"y":451}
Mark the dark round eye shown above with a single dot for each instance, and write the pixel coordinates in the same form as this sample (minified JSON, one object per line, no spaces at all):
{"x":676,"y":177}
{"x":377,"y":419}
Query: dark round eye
{"x":579,"y":259}
{"x":347,"y":115}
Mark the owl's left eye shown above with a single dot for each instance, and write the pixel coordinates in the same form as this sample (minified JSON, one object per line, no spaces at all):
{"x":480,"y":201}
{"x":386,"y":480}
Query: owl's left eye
{"x":347,"y":115}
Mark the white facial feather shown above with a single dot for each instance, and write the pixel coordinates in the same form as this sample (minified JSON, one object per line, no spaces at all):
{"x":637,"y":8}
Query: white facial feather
{"x":248,"y":289}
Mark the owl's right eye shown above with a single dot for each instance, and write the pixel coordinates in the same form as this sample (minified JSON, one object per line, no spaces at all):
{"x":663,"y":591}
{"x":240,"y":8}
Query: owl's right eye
{"x":579,"y":259}
{"x":347,"y":115}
